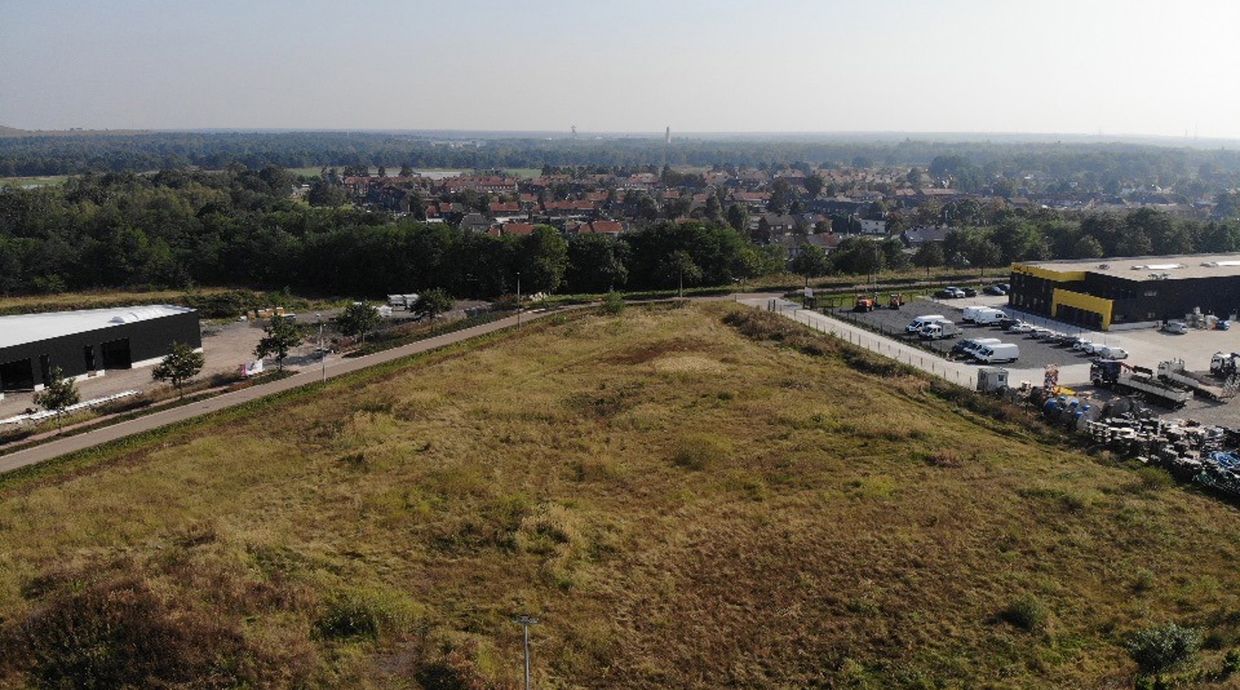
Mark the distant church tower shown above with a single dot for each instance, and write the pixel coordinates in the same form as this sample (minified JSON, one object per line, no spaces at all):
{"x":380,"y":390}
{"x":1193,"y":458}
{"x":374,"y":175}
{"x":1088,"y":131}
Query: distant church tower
{"x":667,"y":136}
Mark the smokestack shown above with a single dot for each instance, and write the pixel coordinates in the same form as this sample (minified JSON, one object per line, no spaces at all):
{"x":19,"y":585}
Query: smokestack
{"x":667,"y":136}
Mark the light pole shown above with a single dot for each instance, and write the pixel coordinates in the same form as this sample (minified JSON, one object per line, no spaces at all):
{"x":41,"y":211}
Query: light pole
{"x":322,"y":352}
{"x":525,"y":621}
{"x":518,"y":300}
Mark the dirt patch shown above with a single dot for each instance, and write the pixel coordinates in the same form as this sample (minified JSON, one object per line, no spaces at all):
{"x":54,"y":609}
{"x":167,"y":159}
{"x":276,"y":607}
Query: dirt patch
{"x":652,"y":351}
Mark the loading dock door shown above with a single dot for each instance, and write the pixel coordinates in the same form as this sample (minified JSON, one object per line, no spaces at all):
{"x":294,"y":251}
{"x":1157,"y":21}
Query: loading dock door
{"x":116,"y":354}
{"x":16,"y":376}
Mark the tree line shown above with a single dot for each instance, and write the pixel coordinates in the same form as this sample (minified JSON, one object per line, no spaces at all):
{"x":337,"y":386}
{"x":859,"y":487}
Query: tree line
{"x":241,"y":228}
{"x":1000,"y":167}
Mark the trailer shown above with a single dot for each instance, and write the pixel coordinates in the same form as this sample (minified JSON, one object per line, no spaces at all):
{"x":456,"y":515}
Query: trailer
{"x":1174,"y":371}
{"x":1112,"y":373}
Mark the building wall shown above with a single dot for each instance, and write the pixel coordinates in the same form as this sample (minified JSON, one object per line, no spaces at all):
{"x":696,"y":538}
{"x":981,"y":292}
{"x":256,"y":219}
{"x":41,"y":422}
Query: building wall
{"x":1098,"y":301}
{"x":148,"y":340}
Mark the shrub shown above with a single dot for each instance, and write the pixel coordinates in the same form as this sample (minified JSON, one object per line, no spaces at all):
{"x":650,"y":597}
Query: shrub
{"x":361,"y":614}
{"x":1231,"y":663}
{"x":613,"y":303}
{"x":699,"y":452}
{"x":1027,"y":613}
{"x":118,"y":633}
{"x":1161,"y":648}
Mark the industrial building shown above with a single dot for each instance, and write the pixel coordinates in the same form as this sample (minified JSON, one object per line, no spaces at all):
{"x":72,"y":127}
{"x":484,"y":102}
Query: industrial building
{"x":1105,"y":294}
{"x":90,"y":342}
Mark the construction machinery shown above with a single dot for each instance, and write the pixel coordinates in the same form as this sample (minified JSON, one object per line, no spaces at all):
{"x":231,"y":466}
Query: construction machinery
{"x":863,"y":303}
{"x":1174,"y":371}
{"x":1112,"y":373}
{"x":896,"y":301}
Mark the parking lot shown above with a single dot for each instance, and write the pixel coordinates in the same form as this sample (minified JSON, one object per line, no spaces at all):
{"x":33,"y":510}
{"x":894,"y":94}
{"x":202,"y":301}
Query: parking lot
{"x":1033,"y":354}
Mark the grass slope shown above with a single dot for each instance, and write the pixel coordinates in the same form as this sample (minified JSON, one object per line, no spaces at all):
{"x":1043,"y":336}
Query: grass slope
{"x":681,"y":505}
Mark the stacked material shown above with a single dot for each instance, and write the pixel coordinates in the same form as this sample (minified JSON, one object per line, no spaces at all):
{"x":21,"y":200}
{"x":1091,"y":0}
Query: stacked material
{"x":1189,"y":450}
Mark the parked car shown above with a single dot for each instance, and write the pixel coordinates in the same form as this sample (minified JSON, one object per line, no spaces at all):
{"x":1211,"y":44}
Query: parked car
{"x":969,"y":292}
{"x":950,"y":293}
{"x":999,"y":352}
{"x":1175,"y":327}
{"x":1110,"y":352}
{"x":1082,"y":345}
{"x":1021,"y":327}
{"x":995,"y":290}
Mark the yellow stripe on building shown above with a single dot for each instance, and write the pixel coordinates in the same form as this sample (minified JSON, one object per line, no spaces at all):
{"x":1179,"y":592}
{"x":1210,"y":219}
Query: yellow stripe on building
{"x":1097,"y":305}
{"x":1048,"y":274}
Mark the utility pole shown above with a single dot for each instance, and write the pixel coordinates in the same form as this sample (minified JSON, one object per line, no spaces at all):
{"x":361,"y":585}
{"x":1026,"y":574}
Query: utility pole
{"x":680,"y":283}
{"x":525,"y":621}
{"x":322,"y":352}
{"x":518,"y":300}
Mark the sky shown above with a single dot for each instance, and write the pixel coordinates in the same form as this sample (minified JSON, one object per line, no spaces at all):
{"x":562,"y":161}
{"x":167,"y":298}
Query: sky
{"x":1047,"y":66}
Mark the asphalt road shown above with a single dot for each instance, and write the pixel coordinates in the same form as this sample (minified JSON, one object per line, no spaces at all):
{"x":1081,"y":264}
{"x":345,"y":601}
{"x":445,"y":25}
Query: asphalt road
{"x":335,"y":367}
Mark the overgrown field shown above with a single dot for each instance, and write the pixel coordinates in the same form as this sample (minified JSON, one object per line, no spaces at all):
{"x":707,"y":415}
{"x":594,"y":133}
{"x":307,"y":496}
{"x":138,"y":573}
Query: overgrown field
{"x":680,"y":497}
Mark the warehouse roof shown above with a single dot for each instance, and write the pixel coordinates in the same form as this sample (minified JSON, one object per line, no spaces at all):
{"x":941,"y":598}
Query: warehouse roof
{"x":1151,"y":267}
{"x":29,"y":328}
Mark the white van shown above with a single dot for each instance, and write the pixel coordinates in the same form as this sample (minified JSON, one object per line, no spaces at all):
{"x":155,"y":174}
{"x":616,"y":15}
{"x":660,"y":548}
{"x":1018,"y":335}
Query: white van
{"x":989,"y":315}
{"x":969,"y":314}
{"x":998,"y":352}
{"x":976,"y":344}
{"x":922,"y":321}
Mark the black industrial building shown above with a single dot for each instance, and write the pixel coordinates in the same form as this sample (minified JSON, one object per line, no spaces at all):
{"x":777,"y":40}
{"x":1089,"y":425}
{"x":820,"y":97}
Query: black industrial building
{"x":87,"y":343}
{"x":1109,"y":293}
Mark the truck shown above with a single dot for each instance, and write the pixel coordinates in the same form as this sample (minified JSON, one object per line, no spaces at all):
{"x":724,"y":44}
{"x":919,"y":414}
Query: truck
{"x":939,"y":331}
{"x":1115,"y":374}
{"x":1174,"y":371}
{"x":1225,"y":365}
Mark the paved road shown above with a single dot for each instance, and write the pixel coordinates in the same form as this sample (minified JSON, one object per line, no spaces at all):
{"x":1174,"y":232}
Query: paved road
{"x":336,"y":367}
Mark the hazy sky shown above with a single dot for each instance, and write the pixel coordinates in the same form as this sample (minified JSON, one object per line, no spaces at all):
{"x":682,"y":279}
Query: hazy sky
{"x":1071,"y":66}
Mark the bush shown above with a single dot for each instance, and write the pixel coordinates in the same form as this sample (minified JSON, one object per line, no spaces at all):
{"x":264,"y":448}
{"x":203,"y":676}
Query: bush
{"x":1027,"y":613}
{"x":699,"y":452}
{"x":1163,"y":647}
{"x":119,"y":633}
{"x":361,"y":614}
{"x":1231,"y":663}
{"x":613,"y":303}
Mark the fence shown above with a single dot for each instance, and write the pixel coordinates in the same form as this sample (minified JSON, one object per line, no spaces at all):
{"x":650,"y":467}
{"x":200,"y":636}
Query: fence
{"x":905,"y":354}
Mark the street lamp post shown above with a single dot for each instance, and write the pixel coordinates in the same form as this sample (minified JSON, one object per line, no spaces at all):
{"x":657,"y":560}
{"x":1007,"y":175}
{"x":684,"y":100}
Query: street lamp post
{"x":525,"y":621}
{"x":518,"y":300}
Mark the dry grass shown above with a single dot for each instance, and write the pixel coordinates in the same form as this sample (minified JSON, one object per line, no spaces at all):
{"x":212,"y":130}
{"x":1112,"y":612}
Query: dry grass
{"x":681,"y":505}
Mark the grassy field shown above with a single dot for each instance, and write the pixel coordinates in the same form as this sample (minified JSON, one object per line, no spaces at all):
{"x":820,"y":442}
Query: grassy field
{"x":681,"y":499}
{"x":207,"y":300}
{"x":36,"y":181}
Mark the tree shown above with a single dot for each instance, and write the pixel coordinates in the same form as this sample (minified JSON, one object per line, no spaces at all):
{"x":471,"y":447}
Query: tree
{"x":811,"y":262}
{"x":542,"y":258}
{"x":929,"y":255}
{"x":813,"y":185}
{"x":59,"y":394}
{"x":738,"y":218}
{"x":679,"y":268}
{"x":432,"y":303}
{"x":181,"y":365}
{"x":358,"y":319}
{"x":1087,"y":247}
{"x":406,"y":171}
{"x":280,"y":336}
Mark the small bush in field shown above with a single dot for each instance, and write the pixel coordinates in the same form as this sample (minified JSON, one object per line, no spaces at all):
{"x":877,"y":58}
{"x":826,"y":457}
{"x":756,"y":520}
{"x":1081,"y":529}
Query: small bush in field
{"x":613,"y":303}
{"x":699,"y":452}
{"x":1027,"y":613}
{"x":1163,"y":647}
